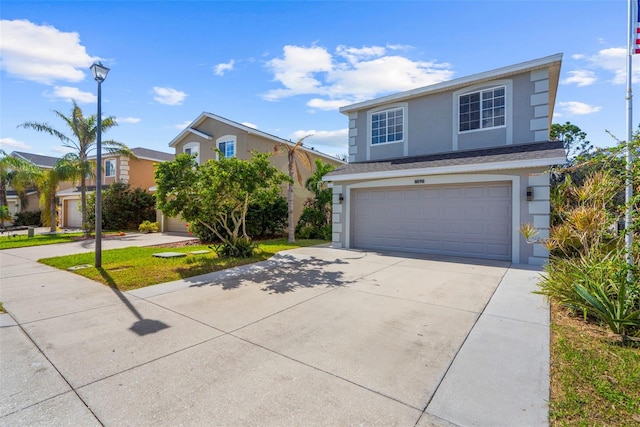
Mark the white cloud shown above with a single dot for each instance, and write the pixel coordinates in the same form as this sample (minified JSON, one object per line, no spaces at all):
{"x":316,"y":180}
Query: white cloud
{"x":69,"y":94}
{"x":578,"y":108}
{"x":128,"y":120}
{"x":183,"y":125}
{"x":168,"y":96}
{"x":351,"y":74}
{"x":220,"y":69}
{"x":328,"y":104}
{"x":331,"y":138}
{"x":42,"y":53}
{"x":578,"y":56}
{"x":10,"y":144}
{"x":614,"y":60}
{"x":250,"y":125}
{"x":580,"y":78}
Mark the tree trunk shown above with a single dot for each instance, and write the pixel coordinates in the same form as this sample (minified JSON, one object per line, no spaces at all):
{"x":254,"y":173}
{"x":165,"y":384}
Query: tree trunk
{"x":52,"y":214}
{"x":292,"y":234}
{"x":3,"y":199}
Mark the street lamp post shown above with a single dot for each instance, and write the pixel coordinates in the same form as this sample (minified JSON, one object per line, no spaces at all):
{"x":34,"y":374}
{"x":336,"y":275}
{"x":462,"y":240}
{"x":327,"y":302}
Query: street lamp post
{"x":99,"y":72}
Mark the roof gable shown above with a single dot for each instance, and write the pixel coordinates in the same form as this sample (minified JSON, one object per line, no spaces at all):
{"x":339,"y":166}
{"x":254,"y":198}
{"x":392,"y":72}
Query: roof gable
{"x":251,"y":131}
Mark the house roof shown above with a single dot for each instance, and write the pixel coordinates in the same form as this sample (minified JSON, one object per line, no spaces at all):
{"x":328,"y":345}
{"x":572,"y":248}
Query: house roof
{"x":553,"y":62}
{"x":46,"y":162}
{"x":205,"y":115}
{"x":148,"y":154}
{"x":145,"y":154}
{"x":506,"y":157}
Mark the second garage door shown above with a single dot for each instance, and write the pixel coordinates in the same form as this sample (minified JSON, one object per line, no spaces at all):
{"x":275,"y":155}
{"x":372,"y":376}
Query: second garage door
{"x":464,"y":220}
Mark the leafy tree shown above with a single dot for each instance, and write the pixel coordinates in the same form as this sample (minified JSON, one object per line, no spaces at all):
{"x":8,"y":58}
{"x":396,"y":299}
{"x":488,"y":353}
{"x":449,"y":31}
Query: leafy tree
{"x":217,"y":194}
{"x":574,"y":139}
{"x":295,"y":155}
{"x":48,"y":181}
{"x":17,"y":173}
{"x":82,"y":140}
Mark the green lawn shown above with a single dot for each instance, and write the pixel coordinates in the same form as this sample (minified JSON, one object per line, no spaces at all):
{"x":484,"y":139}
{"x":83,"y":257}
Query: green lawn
{"x":594,"y":380}
{"x":21,"y":240}
{"x":133,"y":268}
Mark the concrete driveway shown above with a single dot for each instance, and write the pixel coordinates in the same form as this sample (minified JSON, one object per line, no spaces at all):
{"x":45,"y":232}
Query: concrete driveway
{"x":315,"y":336}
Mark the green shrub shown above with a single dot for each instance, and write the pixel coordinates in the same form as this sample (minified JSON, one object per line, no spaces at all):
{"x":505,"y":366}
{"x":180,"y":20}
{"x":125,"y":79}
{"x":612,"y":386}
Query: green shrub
{"x":28,"y":218}
{"x":123,"y":208}
{"x":149,"y":227}
{"x":240,"y":248}
{"x":600,"y":286}
{"x":313,"y":223}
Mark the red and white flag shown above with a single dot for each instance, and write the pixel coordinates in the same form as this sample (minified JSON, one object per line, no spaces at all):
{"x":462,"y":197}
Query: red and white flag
{"x":636,"y":30}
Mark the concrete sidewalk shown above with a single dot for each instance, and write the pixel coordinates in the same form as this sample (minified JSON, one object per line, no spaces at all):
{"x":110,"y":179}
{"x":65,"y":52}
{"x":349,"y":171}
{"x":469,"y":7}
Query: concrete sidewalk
{"x":315,"y":336}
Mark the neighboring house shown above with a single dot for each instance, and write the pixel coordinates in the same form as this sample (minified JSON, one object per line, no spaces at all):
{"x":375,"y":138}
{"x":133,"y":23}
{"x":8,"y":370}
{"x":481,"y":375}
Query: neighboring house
{"x":138,"y":172}
{"x":32,"y":198}
{"x":453,"y":168}
{"x":209,"y":132}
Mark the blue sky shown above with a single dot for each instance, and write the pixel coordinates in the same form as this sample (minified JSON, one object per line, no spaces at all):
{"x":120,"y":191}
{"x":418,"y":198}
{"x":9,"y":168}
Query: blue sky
{"x":286,"y":67}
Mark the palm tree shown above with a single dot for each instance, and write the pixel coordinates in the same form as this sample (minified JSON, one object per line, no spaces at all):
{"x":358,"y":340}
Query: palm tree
{"x":65,"y":169}
{"x":320,"y":188}
{"x":82,"y":142}
{"x":295,"y":154}
{"x":18,"y":173}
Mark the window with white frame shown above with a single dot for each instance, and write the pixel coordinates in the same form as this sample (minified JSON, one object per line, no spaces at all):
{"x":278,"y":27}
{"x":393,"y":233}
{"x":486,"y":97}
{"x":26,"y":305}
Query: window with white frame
{"x":109,"y":168}
{"x":227,"y":146}
{"x":483,"y":109}
{"x":387,"y":126}
{"x":192,"y":148}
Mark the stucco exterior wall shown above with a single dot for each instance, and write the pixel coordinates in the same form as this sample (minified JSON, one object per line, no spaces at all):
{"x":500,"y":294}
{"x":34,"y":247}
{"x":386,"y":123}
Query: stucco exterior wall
{"x":431,"y":124}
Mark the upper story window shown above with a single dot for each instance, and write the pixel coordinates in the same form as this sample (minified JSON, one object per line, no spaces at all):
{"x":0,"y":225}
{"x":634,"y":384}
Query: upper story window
{"x":387,"y":126}
{"x":483,"y":109}
{"x":109,"y":168}
{"x":227,"y":146}
{"x":192,"y":148}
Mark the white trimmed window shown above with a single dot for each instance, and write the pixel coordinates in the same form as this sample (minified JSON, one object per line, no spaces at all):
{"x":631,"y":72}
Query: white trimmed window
{"x":482,"y":109}
{"x":109,"y":168}
{"x":227,"y":146}
{"x":387,"y":126}
{"x":192,"y":148}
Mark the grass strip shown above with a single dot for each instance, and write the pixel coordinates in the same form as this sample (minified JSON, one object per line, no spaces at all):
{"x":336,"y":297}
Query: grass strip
{"x":595,"y":381}
{"x":136,"y":267}
{"x":21,"y":240}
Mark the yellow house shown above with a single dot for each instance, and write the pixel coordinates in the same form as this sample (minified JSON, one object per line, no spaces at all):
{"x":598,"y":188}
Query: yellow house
{"x":209,"y":132}
{"x":138,"y":172}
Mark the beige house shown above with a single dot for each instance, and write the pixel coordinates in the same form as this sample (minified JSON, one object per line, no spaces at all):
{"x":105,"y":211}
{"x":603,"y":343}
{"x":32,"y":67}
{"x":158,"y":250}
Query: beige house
{"x":209,"y":132}
{"x":138,"y":172}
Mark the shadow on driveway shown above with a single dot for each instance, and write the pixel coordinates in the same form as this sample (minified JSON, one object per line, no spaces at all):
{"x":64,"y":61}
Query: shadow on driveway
{"x":142,"y":326}
{"x":281,"y":274}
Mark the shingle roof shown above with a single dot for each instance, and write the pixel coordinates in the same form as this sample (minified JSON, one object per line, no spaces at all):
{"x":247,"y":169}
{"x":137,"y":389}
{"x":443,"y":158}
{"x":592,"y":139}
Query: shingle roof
{"x":147,"y":153}
{"x":551,"y":150}
{"x":37,"y":159}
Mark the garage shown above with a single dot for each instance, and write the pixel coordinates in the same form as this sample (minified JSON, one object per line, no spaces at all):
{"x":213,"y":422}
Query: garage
{"x":175,"y":225}
{"x":73,"y":214}
{"x":470,"y":220}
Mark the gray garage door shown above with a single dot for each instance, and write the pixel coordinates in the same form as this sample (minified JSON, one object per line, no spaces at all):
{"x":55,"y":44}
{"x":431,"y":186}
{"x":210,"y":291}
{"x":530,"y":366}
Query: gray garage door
{"x":464,"y":220}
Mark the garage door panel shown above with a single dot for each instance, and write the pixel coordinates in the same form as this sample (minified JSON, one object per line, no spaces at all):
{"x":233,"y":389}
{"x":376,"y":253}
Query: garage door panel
{"x":464,"y":219}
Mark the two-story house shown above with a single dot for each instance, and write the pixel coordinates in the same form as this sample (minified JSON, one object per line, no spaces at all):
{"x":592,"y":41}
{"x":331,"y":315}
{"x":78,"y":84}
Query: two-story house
{"x":209,"y":132}
{"x":138,"y":172}
{"x":453,"y":168}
